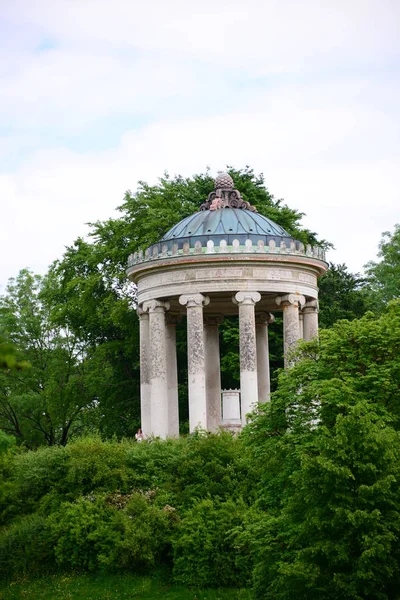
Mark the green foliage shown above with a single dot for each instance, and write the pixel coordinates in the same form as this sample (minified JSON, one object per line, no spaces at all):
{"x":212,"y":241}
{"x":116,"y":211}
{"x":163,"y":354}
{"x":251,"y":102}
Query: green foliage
{"x":83,"y":534}
{"x":384,"y":276}
{"x":26,"y":547}
{"x":207,"y":548}
{"x":146,"y":532}
{"x":330,"y":490}
{"x":47,"y":402}
{"x":342,"y":295}
{"x":336,"y":534}
{"x":115,"y":505}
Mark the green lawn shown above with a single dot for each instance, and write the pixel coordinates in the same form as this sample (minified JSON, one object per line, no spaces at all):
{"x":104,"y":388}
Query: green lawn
{"x":109,"y":587}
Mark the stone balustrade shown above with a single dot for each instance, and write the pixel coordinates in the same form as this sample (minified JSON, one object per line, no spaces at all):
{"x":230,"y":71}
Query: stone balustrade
{"x":268,"y":245}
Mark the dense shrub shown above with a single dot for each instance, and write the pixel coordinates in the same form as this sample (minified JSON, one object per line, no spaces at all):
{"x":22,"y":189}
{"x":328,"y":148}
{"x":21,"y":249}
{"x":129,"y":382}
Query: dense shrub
{"x":115,"y":505}
{"x":112,"y":532}
{"x":208,"y":551}
{"x":26,"y":547}
{"x":83,"y":533}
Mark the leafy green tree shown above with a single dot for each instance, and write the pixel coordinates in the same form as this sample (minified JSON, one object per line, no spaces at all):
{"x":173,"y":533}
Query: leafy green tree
{"x":336,"y":534}
{"x":44,"y":403}
{"x":384,"y":276}
{"x":342,"y":295}
{"x":327,"y":454}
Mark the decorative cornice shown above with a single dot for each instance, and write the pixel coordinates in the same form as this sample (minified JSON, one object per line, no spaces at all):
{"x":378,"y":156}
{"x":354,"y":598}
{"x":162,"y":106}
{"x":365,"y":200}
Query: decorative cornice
{"x":225,"y":196}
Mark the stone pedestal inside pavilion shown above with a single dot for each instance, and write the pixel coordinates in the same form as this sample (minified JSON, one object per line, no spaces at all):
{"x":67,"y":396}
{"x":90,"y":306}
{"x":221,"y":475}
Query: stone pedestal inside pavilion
{"x":225,"y":260}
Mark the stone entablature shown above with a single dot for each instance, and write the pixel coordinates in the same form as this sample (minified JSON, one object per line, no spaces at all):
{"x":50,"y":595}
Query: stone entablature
{"x":197,"y":276}
{"x":273,"y":245}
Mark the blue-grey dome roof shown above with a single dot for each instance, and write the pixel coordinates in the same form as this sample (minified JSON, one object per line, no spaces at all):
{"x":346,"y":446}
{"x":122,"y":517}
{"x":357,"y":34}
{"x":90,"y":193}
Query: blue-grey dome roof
{"x":224,"y":223}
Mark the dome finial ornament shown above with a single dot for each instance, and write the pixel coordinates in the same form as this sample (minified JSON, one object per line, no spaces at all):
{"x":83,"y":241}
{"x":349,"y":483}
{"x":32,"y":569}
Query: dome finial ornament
{"x":225,"y":195}
{"x":224,"y":180}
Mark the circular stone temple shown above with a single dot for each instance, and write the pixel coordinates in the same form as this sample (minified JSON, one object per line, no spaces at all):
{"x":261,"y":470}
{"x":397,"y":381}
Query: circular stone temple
{"x":224,"y":260}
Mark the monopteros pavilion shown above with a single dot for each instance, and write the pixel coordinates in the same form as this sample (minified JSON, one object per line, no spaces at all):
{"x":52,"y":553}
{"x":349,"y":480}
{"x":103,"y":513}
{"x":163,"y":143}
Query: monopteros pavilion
{"x":224,"y":260}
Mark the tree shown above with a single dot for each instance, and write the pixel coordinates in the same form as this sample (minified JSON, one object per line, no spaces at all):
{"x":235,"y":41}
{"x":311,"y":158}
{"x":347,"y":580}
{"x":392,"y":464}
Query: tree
{"x":336,"y":534}
{"x":342,"y":295}
{"x":327,"y":450}
{"x":49,"y":400}
{"x":384,"y":276}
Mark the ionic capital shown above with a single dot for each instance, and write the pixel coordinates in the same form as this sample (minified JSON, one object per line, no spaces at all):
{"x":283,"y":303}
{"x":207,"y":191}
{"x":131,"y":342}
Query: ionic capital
{"x":213,"y":320}
{"x":291,"y":299}
{"x":249,"y":298}
{"x":155,"y":306}
{"x":191,"y":300}
{"x":142,"y":314}
{"x":264,"y":318}
{"x":311,"y":306}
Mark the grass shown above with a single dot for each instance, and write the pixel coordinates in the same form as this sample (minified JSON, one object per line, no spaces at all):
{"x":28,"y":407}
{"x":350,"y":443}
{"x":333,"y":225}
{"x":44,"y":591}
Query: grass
{"x":109,"y":587}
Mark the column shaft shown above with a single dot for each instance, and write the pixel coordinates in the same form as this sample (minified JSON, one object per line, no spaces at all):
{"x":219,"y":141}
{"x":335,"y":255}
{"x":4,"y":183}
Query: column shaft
{"x":196,"y":360}
{"x":145,"y":407}
{"x":291,"y":329}
{"x":301,"y":324}
{"x":248,"y":352}
{"x":213,"y":372}
{"x":263,"y":369}
{"x":310,"y":312}
{"x":158,"y":367}
{"x":172,"y":377}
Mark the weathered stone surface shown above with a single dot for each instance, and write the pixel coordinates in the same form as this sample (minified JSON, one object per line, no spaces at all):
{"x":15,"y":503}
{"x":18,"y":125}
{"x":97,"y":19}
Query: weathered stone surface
{"x":158,"y":366}
{"x":196,"y":359}
{"x":248,"y":351}
{"x":310,"y":320}
{"x":224,"y":276}
{"x":213,"y":372}
{"x":263,"y":319}
{"x":145,"y":406}
{"x":172,"y":376}
{"x":291,"y":326}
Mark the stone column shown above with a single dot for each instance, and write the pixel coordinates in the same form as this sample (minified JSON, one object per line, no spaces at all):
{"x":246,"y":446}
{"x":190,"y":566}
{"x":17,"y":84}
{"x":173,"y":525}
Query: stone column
{"x":196,"y":359}
{"x":145,"y":408}
{"x":310,"y":312}
{"x":248,"y":351}
{"x":172,"y":375}
{"x":291,"y":329}
{"x":301,"y":324}
{"x":263,"y":319}
{"x":158,"y":367}
{"x":213,"y":372}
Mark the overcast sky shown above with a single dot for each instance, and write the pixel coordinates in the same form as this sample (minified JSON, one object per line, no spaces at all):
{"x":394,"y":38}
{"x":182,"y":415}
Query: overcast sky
{"x":96,"y":95}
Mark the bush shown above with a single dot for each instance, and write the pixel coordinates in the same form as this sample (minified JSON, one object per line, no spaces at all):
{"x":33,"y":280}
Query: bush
{"x":26,"y":547}
{"x":146,"y":533}
{"x":112,"y":532}
{"x":97,"y":465}
{"x":83,"y":534}
{"x":207,"y":546}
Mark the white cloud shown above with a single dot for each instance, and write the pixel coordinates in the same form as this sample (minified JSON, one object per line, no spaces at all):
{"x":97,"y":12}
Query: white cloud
{"x":305,"y":92}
